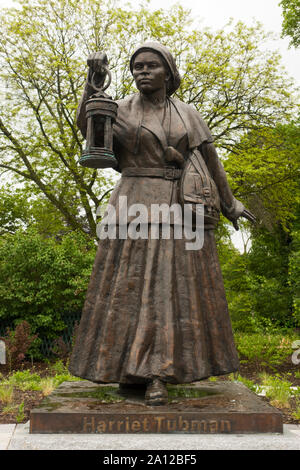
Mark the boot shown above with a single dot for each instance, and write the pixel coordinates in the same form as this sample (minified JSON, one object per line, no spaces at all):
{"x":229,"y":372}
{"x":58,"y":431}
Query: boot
{"x":156,"y":393}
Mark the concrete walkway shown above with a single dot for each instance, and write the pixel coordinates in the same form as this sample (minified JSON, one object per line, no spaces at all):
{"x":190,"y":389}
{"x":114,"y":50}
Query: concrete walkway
{"x":17,"y":437}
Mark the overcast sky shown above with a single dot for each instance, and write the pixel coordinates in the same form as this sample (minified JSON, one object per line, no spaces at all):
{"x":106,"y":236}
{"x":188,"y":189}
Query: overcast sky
{"x":216,"y":13}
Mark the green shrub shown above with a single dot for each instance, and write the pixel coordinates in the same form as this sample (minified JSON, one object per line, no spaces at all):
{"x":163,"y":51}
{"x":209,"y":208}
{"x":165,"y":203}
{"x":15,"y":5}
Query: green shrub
{"x":43,"y":279}
{"x":264,"y":349}
{"x":25,"y":380}
{"x":263,"y":284}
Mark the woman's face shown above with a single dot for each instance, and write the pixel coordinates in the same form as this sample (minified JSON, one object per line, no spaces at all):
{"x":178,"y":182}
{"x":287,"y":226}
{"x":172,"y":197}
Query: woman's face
{"x":149,"y":72}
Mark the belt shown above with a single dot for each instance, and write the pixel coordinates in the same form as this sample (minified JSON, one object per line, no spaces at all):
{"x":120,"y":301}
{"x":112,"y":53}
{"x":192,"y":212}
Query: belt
{"x":166,"y":173}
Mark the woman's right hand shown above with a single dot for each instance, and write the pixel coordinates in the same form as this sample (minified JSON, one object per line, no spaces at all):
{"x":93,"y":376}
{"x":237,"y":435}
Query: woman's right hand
{"x":98,"y":63}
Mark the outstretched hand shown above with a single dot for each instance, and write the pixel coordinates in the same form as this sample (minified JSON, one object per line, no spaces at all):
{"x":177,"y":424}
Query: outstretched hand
{"x":247,"y":215}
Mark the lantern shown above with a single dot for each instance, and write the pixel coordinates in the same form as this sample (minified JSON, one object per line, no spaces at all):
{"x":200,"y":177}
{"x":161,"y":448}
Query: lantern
{"x":101,"y":113}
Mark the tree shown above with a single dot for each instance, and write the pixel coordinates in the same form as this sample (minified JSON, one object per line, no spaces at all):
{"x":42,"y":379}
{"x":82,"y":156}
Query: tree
{"x":20,"y":208}
{"x":291,"y":21}
{"x":294,"y":271}
{"x":264,"y":172}
{"x":43,"y":48}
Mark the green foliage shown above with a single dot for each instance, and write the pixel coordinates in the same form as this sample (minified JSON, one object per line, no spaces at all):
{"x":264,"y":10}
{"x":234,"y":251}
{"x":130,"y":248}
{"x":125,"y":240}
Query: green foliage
{"x":59,"y":368}
{"x":296,"y":413}
{"x":263,"y":284}
{"x":294,"y":269}
{"x":264,"y":349}
{"x":20,"y":416}
{"x":237,"y":287}
{"x":235,"y":84}
{"x":248,"y":383}
{"x":278,"y":390}
{"x":263,"y":173}
{"x":26,"y":380}
{"x":240,"y":90}
{"x":6,"y":394}
{"x":256,"y":283}
{"x":291,"y":22}
{"x":268,"y":264}
{"x":43,"y":279}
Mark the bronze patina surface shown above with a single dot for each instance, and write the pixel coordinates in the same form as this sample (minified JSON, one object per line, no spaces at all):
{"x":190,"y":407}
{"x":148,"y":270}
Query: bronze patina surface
{"x":204,"y":408}
{"x":156,"y":312}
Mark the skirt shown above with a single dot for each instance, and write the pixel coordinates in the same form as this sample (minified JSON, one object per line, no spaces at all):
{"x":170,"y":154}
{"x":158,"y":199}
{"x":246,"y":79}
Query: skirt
{"x":154,"y":310}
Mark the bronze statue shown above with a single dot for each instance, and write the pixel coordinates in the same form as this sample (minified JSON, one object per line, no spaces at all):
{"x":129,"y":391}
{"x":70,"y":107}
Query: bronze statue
{"x":156,"y":313}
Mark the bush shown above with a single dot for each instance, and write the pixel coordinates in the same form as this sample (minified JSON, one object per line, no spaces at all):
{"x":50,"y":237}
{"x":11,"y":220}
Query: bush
{"x":26,"y":380}
{"x":262,"y":285}
{"x":43,"y":279}
{"x":264,"y":349}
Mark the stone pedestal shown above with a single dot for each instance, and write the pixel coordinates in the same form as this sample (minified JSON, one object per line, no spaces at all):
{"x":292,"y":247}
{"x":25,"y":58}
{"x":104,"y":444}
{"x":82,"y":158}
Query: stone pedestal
{"x":204,"y":407}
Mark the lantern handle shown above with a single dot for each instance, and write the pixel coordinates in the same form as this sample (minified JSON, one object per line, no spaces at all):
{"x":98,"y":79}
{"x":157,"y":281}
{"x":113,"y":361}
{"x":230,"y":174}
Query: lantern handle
{"x":102,"y":88}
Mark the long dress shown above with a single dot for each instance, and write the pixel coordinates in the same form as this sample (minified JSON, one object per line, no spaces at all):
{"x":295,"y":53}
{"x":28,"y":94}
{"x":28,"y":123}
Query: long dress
{"x":154,"y":309}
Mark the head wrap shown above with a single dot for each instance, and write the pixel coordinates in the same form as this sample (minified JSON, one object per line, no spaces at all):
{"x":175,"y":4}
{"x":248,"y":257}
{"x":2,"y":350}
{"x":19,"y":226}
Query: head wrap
{"x":174,"y":81}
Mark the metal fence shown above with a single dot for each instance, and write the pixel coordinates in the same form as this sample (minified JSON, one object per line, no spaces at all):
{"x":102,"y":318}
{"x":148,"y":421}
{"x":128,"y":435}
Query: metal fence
{"x":47,"y":344}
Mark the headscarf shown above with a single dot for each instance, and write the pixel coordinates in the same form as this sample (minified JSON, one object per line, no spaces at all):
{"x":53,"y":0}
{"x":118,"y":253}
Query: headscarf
{"x":174,"y":82}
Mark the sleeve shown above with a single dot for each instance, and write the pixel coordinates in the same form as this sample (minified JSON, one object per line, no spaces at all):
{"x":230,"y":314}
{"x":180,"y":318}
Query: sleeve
{"x":230,"y":206}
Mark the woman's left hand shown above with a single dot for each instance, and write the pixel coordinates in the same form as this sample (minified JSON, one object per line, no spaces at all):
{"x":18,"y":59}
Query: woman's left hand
{"x":247,"y":215}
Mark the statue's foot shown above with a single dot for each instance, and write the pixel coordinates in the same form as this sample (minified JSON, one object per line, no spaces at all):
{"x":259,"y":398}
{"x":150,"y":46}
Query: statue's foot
{"x":156,"y":393}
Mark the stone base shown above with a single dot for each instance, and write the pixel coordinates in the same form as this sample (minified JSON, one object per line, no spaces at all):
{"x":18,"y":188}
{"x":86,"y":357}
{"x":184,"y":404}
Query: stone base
{"x":201,"y":408}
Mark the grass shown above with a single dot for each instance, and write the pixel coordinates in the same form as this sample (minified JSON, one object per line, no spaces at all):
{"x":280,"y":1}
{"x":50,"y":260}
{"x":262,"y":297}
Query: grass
{"x":6,"y":394}
{"x":10,"y":409}
{"x":247,"y":382}
{"x":14,"y":388}
{"x":296,"y":414}
{"x":26,"y":380}
{"x":47,"y":385}
{"x":277,"y":389}
{"x":265,"y":349}
{"x":20,"y":416}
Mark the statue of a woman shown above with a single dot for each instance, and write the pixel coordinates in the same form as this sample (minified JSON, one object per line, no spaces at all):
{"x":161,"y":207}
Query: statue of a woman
{"x":156,"y":313}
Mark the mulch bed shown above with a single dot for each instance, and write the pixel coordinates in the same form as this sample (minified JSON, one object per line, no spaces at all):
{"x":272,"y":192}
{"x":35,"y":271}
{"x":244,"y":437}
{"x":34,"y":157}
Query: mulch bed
{"x":250,"y":371}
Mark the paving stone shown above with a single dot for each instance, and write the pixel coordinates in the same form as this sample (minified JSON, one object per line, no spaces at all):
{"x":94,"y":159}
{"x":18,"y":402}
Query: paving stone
{"x":22,"y":440}
{"x":6,"y":433}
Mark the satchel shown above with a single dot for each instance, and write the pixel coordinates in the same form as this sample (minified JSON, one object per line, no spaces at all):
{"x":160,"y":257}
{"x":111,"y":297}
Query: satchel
{"x":196,"y":186}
